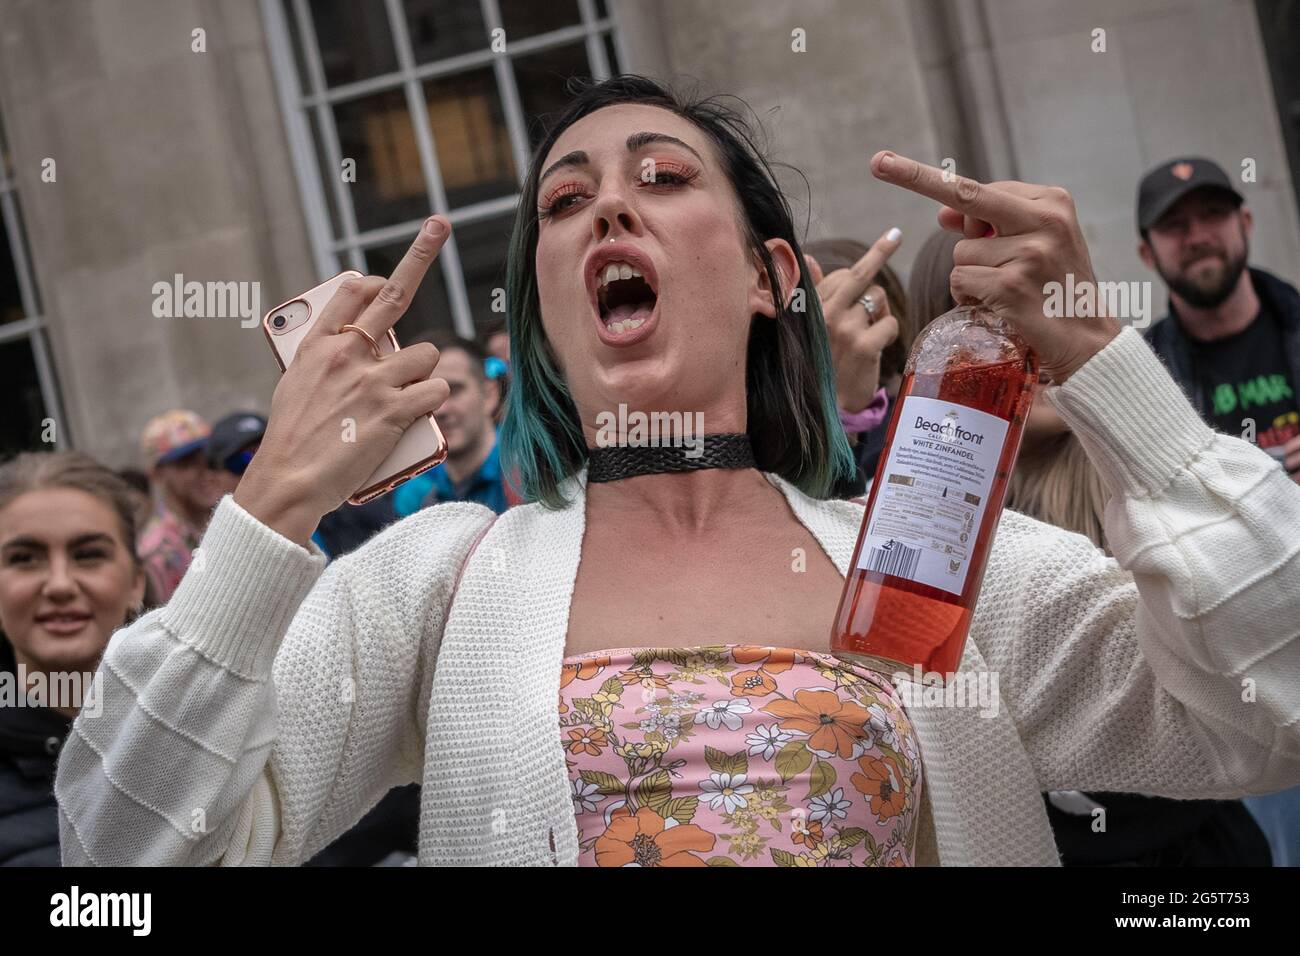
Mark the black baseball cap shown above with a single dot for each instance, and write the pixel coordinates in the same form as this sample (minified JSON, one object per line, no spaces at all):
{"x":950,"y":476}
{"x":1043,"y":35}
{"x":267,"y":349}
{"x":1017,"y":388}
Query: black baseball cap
{"x":233,"y":434}
{"x":1172,"y":180}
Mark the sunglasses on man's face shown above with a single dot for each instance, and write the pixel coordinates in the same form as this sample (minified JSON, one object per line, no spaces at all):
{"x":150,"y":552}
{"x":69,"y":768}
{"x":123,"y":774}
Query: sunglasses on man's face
{"x":237,"y":463}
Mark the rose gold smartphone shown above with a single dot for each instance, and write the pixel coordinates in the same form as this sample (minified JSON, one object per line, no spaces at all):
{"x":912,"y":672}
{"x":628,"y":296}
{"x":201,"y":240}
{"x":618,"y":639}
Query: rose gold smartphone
{"x":420,"y":447}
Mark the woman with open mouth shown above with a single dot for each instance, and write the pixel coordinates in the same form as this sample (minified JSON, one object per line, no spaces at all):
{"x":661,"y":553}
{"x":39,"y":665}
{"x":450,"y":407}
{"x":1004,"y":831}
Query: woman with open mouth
{"x":634,"y":668}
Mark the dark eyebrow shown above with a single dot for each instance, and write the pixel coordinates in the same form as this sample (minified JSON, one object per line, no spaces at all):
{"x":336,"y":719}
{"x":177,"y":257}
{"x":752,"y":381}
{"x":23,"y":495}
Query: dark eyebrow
{"x":575,"y":158}
{"x":638,"y":140}
{"x":93,"y":537}
{"x":37,"y":544}
{"x":634,"y":142}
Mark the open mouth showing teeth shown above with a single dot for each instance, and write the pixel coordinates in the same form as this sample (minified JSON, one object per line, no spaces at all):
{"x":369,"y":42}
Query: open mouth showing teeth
{"x":624,"y":297}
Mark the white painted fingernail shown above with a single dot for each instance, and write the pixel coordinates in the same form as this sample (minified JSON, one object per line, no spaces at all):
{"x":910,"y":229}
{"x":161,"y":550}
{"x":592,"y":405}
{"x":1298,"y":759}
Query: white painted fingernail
{"x":894,"y":234}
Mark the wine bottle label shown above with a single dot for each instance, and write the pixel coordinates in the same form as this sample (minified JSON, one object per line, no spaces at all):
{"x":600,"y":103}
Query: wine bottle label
{"x":933,"y":492}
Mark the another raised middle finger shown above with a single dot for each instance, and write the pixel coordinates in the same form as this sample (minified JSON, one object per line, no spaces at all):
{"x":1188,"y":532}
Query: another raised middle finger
{"x":863,"y":272}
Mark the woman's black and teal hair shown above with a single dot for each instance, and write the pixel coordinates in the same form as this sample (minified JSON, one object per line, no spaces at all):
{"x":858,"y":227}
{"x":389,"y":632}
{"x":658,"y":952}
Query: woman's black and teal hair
{"x":791,"y":416}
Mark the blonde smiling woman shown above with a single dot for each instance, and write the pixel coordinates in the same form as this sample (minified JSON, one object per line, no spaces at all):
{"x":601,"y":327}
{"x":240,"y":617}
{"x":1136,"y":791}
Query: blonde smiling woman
{"x":69,"y":577}
{"x":627,"y":671}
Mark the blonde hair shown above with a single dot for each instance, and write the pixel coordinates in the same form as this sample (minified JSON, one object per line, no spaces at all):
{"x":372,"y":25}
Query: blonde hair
{"x":927,"y":285}
{"x":1055,"y":482}
{"x":41,"y":470}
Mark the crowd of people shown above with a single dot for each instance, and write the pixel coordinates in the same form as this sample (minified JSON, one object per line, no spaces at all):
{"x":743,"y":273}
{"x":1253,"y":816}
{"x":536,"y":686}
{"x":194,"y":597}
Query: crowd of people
{"x":85,"y":551}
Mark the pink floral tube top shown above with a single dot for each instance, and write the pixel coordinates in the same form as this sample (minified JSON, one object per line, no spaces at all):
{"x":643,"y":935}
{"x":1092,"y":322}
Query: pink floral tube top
{"x":735,"y":755}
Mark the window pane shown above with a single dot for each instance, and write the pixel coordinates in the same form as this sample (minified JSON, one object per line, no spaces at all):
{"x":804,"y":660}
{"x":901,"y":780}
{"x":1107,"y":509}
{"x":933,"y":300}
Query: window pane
{"x":6,"y":158}
{"x":526,"y":18}
{"x":11,"y":303}
{"x":483,"y":247}
{"x":601,"y":11}
{"x":472,"y":141}
{"x":376,"y":131}
{"x":327,"y":174}
{"x":444,"y":28}
{"x":295,"y":38}
{"x":354,"y":38}
{"x":612,"y":53}
{"x":541,"y":78}
{"x":431,"y":308}
{"x":20,"y":425}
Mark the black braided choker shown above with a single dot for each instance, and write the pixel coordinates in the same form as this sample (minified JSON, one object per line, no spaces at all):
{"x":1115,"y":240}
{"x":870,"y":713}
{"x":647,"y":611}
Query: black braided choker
{"x":629,"y":461}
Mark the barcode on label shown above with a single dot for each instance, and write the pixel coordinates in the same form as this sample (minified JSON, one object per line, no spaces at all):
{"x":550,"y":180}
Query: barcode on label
{"x":894,"y":558}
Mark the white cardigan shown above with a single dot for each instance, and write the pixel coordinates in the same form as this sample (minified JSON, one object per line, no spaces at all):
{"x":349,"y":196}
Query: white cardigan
{"x":266,"y":708}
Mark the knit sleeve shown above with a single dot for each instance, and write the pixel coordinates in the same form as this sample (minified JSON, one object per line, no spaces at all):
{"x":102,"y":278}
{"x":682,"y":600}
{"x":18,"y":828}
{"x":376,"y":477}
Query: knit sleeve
{"x":1172,"y":669}
{"x":268,"y":705}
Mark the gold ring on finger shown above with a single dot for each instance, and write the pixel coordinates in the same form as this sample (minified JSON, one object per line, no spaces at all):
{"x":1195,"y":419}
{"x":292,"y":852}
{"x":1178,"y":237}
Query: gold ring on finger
{"x":374,"y":346}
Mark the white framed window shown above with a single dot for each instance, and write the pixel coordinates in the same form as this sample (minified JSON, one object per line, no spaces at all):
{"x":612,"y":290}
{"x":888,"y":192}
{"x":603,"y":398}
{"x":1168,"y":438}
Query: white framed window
{"x":397,"y":109}
{"x":29,"y":391}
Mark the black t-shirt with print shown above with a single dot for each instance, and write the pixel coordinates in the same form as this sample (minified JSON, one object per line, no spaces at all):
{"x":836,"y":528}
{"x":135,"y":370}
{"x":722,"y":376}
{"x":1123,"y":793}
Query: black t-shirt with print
{"x":1245,"y":376}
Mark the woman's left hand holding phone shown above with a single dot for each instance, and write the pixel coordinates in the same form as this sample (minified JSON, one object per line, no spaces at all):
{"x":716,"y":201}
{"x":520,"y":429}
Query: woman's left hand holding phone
{"x":339,"y":410}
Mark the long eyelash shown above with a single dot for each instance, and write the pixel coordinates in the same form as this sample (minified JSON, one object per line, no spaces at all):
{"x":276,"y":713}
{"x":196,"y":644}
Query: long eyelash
{"x":679,"y":176}
{"x":548,"y":207}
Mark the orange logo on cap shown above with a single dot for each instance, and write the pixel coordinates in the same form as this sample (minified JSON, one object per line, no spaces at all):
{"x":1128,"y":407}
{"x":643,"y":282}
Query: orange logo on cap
{"x":1183,"y":171}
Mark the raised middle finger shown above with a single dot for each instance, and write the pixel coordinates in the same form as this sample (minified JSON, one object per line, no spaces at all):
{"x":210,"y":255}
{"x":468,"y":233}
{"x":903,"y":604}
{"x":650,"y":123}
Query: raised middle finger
{"x":972,"y":228}
{"x":1005,"y":209}
{"x":863,"y":272}
{"x":394,"y":298}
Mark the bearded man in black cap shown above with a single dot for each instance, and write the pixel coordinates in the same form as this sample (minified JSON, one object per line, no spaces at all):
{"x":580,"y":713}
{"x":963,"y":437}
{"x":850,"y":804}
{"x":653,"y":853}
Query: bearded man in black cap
{"x":1232,"y":341}
{"x":1232,"y":336}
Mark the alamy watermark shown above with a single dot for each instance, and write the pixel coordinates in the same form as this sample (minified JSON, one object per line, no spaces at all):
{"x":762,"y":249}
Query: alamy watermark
{"x":133,"y":911}
{"x":637,"y":429}
{"x":60,"y":690}
{"x":960,"y":689}
{"x":1129,"y":301}
{"x":208,"y":300}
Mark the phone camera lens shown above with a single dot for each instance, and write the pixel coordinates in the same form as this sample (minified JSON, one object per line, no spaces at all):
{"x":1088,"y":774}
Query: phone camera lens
{"x":279,"y":321}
